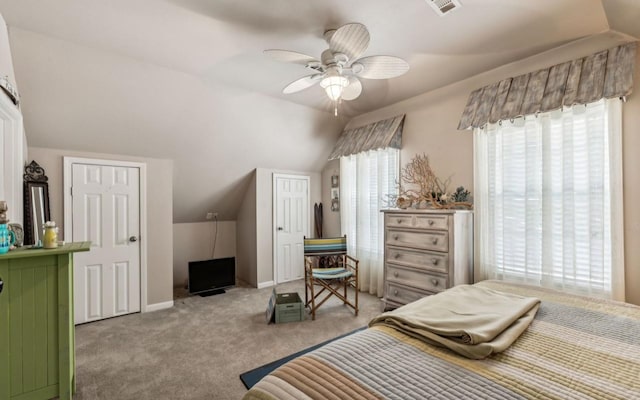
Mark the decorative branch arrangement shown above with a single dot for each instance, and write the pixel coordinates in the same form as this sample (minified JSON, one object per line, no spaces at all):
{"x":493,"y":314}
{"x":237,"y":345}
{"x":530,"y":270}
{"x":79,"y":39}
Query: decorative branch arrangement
{"x":426,"y":190}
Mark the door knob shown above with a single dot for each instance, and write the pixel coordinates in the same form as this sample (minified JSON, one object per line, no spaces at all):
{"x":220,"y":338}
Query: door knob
{"x":280,"y":228}
{"x":133,"y":239}
{"x":1,"y":285}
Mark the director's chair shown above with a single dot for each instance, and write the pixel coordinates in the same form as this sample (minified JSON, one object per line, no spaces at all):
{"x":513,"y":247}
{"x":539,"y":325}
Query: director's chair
{"x":342,"y":272}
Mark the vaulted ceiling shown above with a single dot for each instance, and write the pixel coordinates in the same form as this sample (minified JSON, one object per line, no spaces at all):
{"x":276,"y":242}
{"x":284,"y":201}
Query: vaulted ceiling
{"x":187,"y":80}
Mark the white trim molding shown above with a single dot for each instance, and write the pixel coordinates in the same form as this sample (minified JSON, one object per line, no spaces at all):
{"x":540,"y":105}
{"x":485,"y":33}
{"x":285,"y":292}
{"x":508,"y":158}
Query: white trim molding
{"x":263,"y":285}
{"x":159,"y":306}
{"x":68,"y":211}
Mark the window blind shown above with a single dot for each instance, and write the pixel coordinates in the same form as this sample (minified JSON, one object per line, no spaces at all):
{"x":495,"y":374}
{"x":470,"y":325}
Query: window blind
{"x":545,"y":192}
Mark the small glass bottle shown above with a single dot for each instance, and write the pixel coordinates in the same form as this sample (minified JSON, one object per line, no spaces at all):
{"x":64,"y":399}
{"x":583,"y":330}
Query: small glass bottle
{"x":50,"y":236}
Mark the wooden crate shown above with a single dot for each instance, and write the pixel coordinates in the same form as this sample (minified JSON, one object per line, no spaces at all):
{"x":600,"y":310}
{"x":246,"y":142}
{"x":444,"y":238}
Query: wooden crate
{"x":289,"y":308}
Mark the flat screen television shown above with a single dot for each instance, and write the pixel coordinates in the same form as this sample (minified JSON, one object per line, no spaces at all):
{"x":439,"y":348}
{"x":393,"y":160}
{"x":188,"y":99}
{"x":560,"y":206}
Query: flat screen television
{"x":209,"y":277}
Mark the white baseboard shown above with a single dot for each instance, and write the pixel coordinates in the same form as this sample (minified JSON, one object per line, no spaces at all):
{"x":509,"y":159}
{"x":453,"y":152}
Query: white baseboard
{"x":159,"y":306}
{"x":265,"y":284}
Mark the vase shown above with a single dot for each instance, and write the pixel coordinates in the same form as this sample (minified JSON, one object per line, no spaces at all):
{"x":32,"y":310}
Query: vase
{"x":7,"y":238}
{"x":18,"y":231}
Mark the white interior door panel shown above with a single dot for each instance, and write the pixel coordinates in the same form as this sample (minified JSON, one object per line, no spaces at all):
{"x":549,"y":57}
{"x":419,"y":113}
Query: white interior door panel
{"x":106,"y":211}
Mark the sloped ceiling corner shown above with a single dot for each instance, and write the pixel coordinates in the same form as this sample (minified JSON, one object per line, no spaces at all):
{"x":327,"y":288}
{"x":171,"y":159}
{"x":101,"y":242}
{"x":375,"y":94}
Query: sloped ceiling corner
{"x":80,"y":98}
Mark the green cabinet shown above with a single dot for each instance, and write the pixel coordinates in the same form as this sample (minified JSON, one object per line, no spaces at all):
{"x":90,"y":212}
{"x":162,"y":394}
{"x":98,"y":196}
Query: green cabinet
{"x":37,"y":348}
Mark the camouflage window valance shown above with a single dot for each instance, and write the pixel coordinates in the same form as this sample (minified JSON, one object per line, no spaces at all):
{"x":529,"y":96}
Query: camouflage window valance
{"x":378,"y":135}
{"x":606,"y":74}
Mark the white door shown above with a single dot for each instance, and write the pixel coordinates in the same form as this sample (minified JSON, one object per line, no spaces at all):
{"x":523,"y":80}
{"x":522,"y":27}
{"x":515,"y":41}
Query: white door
{"x":106,"y":211}
{"x":11,"y":158}
{"x":291,"y":225}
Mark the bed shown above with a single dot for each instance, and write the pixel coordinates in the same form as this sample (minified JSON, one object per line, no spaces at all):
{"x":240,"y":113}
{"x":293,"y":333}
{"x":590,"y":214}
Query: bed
{"x":575,"y":348}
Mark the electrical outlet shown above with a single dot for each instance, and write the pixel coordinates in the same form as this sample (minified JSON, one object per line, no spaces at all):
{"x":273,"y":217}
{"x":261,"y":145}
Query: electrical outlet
{"x":210,"y":215}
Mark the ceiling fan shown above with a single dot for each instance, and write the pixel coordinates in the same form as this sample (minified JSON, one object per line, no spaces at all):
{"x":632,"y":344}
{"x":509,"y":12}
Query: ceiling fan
{"x":339,"y":68}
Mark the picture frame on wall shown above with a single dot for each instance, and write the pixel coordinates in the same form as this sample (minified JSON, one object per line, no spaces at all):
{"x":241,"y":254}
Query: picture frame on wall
{"x":335,"y":181}
{"x":335,"y":205}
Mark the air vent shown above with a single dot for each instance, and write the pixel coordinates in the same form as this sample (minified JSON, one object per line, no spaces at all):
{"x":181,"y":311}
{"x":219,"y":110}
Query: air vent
{"x":443,"y":7}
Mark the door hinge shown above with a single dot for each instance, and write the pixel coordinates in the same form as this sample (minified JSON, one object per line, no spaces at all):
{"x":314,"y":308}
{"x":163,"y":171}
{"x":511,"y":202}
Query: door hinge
{"x":71,"y":191}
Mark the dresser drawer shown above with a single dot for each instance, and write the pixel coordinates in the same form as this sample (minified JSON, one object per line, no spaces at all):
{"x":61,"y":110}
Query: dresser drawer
{"x":425,"y":260}
{"x":432,"y":221}
{"x":403,"y":295}
{"x":427,"y":240}
{"x":417,"y":221}
{"x":399,"y":220}
{"x":417,"y":279}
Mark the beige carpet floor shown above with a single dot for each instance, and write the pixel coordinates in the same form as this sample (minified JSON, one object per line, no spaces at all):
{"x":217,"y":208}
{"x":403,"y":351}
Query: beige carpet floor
{"x":198,"y":348}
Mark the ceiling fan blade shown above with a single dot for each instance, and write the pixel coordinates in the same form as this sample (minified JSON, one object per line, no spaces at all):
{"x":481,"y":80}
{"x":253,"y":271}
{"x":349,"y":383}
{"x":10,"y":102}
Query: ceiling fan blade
{"x":352,"y":91}
{"x":302,"y":83}
{"x":290,"y":56}
{"x":380,"y":67}
{"x":350,"y":39}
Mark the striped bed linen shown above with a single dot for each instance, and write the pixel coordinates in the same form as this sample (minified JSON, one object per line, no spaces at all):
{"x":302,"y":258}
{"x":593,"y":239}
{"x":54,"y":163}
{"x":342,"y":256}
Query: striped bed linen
{"x":576,"y":348}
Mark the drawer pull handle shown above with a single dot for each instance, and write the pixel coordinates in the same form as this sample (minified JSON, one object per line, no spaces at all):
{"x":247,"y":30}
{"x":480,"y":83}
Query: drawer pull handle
{"x":396,"y":256}
{"x":399,"y":221}
{"x":395,"y":274}
{"x":430,"y":222}
{"x":395,"y":237}
{"x":434,"y":282}
{"x":395,"y":292}
{"x":434,"y":240}
{"x":434,"y":261}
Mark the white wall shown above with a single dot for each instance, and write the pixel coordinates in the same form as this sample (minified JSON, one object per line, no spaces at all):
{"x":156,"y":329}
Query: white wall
{"x":159,"y":212}
{"x":246,"y":236}
{"x":631,"y":184}
{"x":89,"y":99}
{"x":331,"y":222}
{"x":6,"y":59}
{"x":431,"y":128}
{"x":194,"y":242}
{"x":12,"y":139}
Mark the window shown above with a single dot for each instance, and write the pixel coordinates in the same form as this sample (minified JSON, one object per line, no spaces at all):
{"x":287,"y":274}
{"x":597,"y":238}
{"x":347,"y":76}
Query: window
{"x":366,"y":180}
{"x":549,"y":200}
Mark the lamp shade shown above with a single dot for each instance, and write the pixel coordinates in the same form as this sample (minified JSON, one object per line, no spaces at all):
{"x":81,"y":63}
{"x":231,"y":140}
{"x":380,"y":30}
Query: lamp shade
{"x":333,"y":85}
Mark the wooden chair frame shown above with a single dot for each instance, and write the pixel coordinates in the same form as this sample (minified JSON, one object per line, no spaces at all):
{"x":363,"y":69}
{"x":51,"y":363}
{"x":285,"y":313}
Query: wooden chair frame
{"x":332,"y":286}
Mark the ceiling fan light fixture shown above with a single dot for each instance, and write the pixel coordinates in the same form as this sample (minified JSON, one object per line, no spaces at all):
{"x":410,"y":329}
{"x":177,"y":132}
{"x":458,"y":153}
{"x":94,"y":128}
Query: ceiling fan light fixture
{"x":341,"y":65}
{"x":334,"y":85}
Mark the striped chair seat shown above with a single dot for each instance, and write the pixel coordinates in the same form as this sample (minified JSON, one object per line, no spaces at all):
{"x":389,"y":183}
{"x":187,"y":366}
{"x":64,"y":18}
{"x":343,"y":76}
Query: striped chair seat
{"x":331,"y":273}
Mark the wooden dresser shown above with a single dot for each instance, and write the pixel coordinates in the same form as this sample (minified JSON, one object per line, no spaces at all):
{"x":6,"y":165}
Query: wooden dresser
{"x":37,"y":336}
{"x":425,"y":252}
